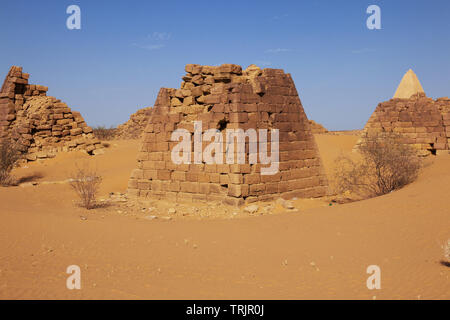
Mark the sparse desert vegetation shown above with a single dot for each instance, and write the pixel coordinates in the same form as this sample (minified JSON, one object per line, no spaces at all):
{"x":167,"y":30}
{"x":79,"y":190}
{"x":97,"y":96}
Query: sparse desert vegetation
{"x":86,"y":181}
{"x":385,"y":164}
{"x":9,"y":155}
{"x":182,"y":248}
{"x":166,"y":224}
{"x":152,"y":216}
{"x":104,"y":133}
{"x":446,"y":247}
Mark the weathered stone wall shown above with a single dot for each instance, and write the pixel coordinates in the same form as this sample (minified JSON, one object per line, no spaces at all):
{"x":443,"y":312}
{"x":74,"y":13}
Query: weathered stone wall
{"x":444,"y":108}
{"x":134,"y":127}
{"x":424,"y":122}
{"x":41,"y":125}
{"x":317,"y":127}
{"x":223,"y":98}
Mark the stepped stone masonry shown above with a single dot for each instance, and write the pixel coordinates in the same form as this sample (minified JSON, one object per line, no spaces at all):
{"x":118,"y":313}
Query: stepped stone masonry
{"x":41,"y":125}
{"x":424,"y":122}
{"x":317,"y":127}
{"x":226,"y":97}
{"x":134,"y":127}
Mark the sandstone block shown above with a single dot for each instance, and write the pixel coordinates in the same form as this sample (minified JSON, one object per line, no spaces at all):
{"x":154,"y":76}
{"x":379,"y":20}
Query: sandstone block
{"x":76,"y":131}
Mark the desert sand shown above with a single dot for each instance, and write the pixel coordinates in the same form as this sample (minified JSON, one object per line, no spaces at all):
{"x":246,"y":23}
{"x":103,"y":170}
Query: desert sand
{"x":320,"y":251}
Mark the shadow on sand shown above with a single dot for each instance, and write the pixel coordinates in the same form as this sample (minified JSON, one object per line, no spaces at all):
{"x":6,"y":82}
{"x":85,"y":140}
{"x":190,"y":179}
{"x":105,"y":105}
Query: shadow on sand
{"x":445,"y":263}
{"x":29,"y":178}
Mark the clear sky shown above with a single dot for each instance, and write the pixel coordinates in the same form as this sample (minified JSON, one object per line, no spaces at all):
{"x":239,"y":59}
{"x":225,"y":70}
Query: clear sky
{"x":126,"y":50}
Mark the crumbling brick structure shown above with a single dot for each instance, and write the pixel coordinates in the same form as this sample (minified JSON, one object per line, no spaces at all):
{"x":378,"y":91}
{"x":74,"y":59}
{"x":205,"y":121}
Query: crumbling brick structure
{"x":422,"y":121}
{"x":41,"y":125}
{"x":225,"y":98}
{"x":317,"y":127}
{"x":134,"y":127}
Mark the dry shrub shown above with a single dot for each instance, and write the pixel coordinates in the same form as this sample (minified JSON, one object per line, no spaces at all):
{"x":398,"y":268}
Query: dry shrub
{"x":103,"y":133}
{"x":9,"y":154}
{"x":446,"y":260}
{"x":386,"y":164}
{"x":447,"y":250}
{"x":86,"y":183}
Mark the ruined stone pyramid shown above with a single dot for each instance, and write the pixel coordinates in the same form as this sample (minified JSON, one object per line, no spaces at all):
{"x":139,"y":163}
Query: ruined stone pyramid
{"x":409,"y":86}
{"x":223,"y":101}
{"x":317,"y":127}
{"x":134,"y":127}
{"x":41,"y":125}
{"x":422,"y":121}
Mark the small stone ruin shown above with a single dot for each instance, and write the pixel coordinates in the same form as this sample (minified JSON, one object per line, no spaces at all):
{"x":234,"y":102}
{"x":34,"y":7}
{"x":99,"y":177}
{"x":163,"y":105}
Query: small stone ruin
{"x":41,"y":125}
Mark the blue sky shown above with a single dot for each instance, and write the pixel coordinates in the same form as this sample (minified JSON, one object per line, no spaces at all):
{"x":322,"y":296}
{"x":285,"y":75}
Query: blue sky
{"x":126,"y":50}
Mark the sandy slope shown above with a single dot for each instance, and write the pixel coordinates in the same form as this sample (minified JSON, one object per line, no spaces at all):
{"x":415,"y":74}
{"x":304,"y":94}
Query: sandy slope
{"x":333,"y":146}
{"x":320,"y":252}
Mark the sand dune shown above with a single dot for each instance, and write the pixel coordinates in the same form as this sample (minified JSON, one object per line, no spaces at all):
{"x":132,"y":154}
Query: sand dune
{"x":318,"y":252}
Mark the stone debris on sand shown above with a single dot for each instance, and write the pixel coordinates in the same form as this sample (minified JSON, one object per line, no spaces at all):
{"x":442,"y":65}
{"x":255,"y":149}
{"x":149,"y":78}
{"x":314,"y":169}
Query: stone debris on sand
{"x":251,"y":209}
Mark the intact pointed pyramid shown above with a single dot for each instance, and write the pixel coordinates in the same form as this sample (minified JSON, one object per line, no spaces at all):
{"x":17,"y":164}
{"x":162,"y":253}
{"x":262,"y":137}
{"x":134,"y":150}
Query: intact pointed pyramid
{"x":409,"y":86}
{"x":422,"y":121}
